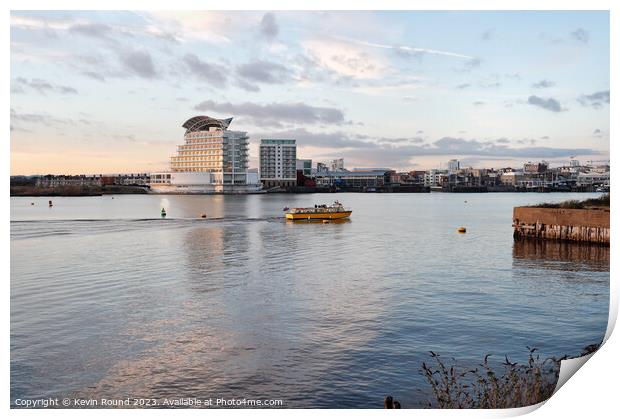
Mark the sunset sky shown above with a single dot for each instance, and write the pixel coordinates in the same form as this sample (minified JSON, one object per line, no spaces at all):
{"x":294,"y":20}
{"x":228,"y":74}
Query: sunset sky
{"x":107,"y":92}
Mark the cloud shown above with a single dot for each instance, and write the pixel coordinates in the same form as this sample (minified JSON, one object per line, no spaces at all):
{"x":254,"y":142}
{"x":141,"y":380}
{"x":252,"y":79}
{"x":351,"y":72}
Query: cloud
{"x":469,"y":65}
{"x":491,"y":81}
{"x":549,"y":104}
{"x":401,"y":155}
{"x":543,"y":84}
{"x":513,"y":76}
{"x":381,"y":87}
{"x":268,"y":26}
{"x":345,"y":59}
{"x":95,"y":30}
{"x":138,"y":63}
{"x":487,"y":35}
{"x":306,"y":138}
{"x":41,"y":86}
{"x":94,"y":75}
{"x":580,"y":35}
{"x":399,"y":151}
{"x":595,"y":100}
{"x":211,"y":26}
{"x":212,"y":73}
{"x":410,"y":49}
{"x":18,"y":118}
{"x":264,"y":72}
{"x":52,"y":25}
{"x":460,"y":146}
{"x":49,"y":25}
{"x":248,"y":87}
{"x":274,"y":114}
{"x":67,"y":90}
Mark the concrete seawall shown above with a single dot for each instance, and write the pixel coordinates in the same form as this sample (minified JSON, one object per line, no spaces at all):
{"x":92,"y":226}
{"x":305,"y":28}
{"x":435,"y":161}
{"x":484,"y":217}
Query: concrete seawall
{"x":578,"y":225}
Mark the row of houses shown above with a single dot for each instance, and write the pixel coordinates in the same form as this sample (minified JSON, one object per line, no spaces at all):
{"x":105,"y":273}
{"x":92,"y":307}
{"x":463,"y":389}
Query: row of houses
{"x":335,"y":176}
{"x":55,"y":181}
{"x":532,"y":175}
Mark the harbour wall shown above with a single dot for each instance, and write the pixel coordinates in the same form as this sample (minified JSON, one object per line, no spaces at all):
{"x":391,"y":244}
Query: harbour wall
{"x":577,"y":225}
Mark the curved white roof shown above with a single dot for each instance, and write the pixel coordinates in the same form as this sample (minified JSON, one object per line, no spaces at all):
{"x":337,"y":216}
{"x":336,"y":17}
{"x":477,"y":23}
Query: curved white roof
{"x":202,"y":123}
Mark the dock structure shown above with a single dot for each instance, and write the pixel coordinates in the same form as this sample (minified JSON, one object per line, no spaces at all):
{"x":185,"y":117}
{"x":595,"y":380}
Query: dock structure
{"x":577,"y":225}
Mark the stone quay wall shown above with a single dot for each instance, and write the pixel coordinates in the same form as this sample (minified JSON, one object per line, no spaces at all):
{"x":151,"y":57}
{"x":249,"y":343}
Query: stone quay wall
{"x":578,"y":225}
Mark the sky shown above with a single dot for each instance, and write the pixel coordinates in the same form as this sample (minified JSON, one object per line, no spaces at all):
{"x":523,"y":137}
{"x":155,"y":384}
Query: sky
{"x":107,"y":92}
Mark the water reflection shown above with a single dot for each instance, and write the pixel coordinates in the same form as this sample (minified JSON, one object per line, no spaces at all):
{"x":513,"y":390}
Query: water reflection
{"x":119,"y":302}
{"x":578,"y":256}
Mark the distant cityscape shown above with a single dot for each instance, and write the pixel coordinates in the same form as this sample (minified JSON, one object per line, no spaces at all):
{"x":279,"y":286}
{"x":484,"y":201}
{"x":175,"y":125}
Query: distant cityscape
{"x":214,"y":159}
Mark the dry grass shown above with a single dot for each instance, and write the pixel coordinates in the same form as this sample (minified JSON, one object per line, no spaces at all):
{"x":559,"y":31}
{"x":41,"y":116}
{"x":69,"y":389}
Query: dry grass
{"x":602,"y":201}
{"x":517,"y":385}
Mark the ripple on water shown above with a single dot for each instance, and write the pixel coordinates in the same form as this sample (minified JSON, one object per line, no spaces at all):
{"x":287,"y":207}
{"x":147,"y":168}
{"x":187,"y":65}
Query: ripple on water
{"x":245,"y":304}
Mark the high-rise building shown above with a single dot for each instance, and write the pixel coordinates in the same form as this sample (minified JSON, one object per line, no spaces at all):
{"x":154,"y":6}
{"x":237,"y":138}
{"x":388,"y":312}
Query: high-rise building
{"x":213,"y":159}
{"x":278,"y":163}
{"x":453,"y":166}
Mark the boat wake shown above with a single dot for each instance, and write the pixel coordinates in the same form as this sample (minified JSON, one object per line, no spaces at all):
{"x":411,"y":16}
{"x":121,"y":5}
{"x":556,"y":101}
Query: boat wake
{"x":26,"y":229}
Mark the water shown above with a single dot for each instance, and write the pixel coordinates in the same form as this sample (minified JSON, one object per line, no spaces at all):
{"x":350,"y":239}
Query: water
{"x":110,"y":300}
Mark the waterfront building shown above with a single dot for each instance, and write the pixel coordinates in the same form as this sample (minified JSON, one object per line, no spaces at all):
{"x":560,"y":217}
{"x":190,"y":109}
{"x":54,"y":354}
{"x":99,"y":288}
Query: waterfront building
{"x":278,"y":163}
{"x":416,"y":177}
{"x":321,"y":167}
{"x":213,"y":159}
{"x":603,"y":168}
{"x":512,"y":178}
{"x":435,"y":177}
{"x":127,"y":179}
{"x":593,"y":178}
{"x":370,"y":169}
{"x":346,"y":179}
{"x":336,"y":165}
{"x":453,"y":166}
{"x":530,"y":167}
{"x":51,"y":181}
{"x":305,"y":165}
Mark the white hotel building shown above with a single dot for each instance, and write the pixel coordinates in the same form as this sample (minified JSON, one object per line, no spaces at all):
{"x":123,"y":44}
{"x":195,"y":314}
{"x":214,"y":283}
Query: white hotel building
{"x":278,"y":163}
{"x":212,"y":160}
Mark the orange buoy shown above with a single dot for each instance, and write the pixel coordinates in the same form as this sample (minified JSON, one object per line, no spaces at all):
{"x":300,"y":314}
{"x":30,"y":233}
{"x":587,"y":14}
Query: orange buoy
{"x":461,"y":230}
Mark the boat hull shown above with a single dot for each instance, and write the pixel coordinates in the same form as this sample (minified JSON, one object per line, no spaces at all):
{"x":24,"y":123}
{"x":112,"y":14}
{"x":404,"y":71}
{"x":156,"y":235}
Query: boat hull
{"x":319,"y":216}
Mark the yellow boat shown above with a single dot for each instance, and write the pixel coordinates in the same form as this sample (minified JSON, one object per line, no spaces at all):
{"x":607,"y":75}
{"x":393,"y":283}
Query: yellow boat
{"x":319,"y":212}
